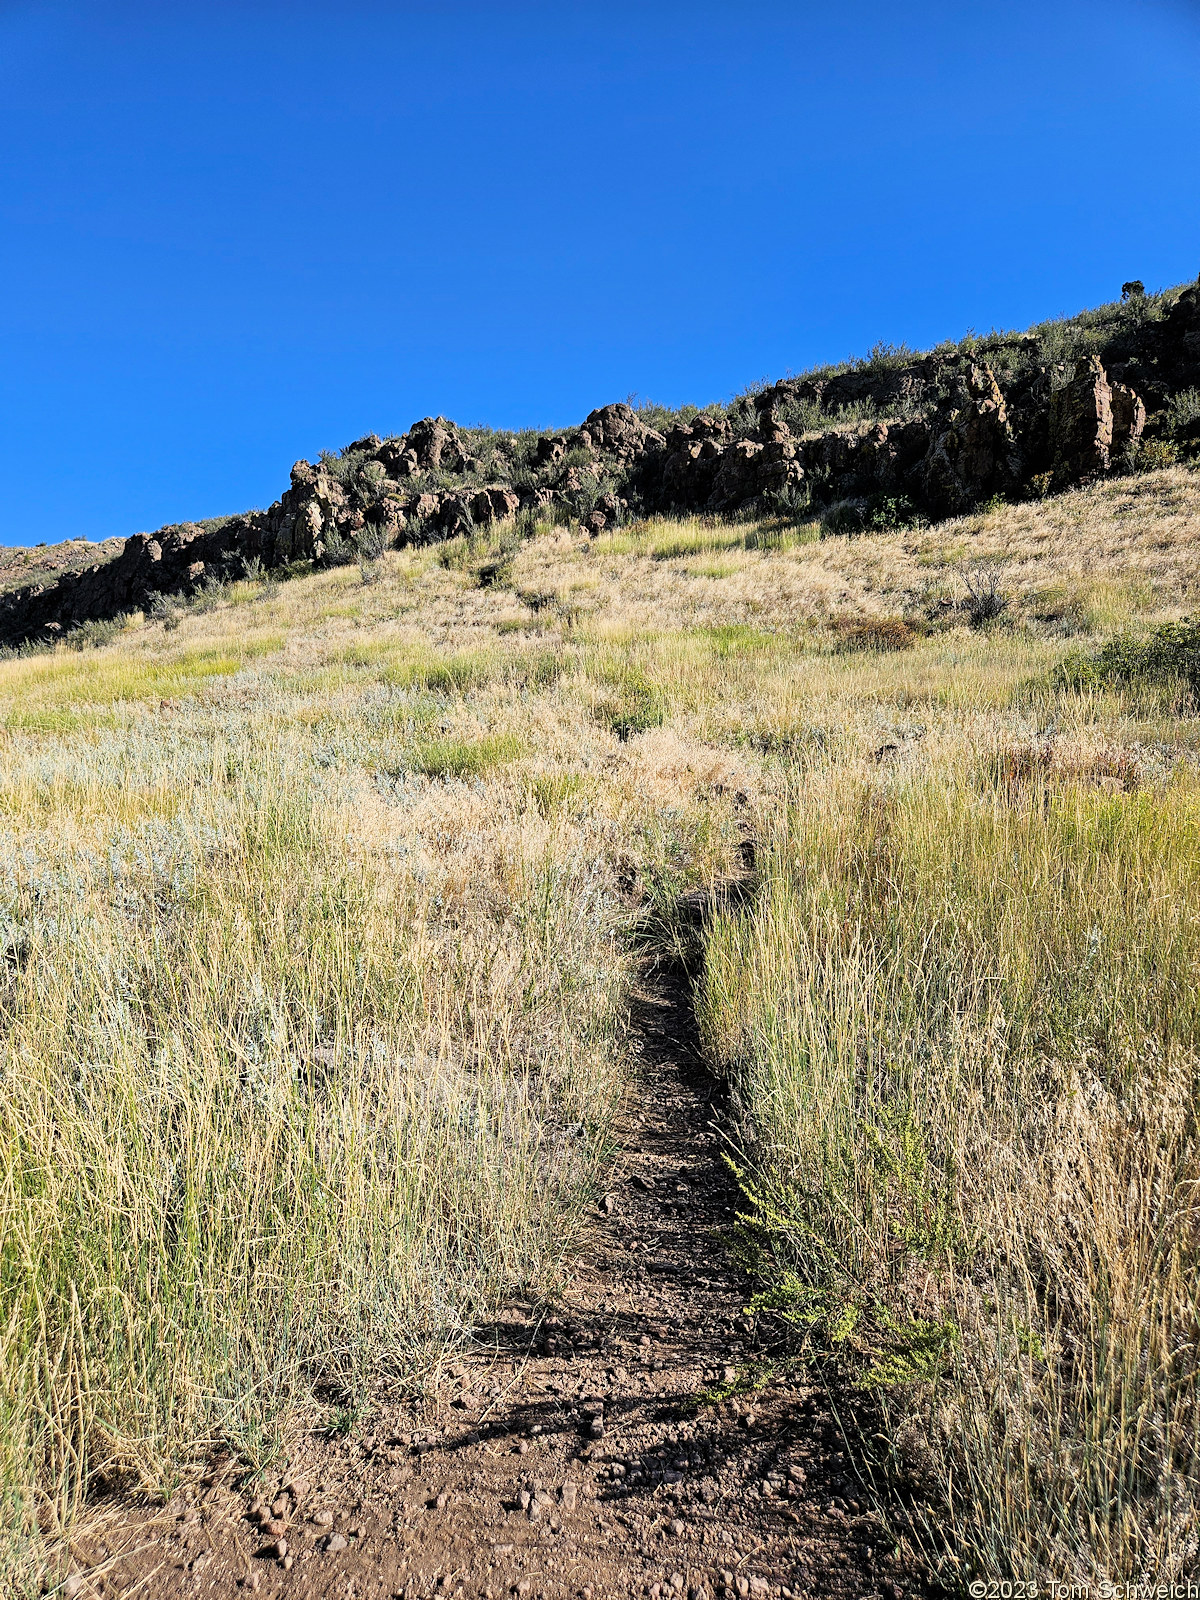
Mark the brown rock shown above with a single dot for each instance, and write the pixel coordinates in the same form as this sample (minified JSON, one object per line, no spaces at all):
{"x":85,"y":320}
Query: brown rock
{"x":1128,"y":418}
{"x":1081,"y":423}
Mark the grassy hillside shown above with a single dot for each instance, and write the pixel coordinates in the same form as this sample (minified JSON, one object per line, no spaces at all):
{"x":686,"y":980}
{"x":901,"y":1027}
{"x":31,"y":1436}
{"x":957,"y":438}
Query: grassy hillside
{"x":321,"y":904}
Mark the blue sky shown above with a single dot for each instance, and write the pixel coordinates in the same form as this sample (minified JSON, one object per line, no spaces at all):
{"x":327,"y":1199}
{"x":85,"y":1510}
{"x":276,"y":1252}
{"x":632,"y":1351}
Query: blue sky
{"x":234,"y":234}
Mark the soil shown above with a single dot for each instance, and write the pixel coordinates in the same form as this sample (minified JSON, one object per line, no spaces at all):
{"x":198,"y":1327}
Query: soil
{"x":637,"y":1441}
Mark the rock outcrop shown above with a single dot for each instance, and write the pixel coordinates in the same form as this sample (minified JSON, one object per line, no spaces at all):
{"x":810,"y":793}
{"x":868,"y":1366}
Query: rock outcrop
{"x":936,"y":433}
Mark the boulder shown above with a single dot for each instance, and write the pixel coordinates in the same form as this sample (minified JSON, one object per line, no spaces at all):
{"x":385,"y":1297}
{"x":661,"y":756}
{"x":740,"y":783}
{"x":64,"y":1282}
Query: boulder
{"x":493,"y":504}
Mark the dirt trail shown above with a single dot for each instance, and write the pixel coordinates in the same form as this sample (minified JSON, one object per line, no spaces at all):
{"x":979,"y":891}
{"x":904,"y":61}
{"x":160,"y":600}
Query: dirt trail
{"x":567,"y":1456}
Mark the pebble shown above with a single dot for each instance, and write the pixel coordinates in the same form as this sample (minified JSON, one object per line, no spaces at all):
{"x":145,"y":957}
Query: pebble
{"x":72,"y":1585}
{"x":334,"y":1543}
{"x":322,"y":1518}
{"x":298,"y":1489}
{"x":276,"y":1551}
{"x":442,"y":1501}
{"x":280,"y":1507}
{"x":677,"y":1582}
{"x":568,"y":1495}
{"x":675,"y":1527}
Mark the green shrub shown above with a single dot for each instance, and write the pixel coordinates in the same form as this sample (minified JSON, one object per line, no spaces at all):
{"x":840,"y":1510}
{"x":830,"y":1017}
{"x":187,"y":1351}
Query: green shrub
{"x":634,"y":705}
{"x":1169,"y":654}
{"x":1183,"y":420}
{"x":91,"y":635}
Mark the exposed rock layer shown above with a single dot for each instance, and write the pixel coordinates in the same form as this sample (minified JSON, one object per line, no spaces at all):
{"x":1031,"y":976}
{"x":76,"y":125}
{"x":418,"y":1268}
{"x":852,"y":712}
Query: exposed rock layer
{"x":937,"y":433}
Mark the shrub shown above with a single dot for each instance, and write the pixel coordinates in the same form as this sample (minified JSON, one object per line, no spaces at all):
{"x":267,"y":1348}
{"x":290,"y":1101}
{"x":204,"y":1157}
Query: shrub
{"x":1154,"y":454}
{"x":984,"y":601}
{"x":844,"y":516}
{"x":91,"y":635}
{"x":792,"y":504}
{"x":1182,"y":419}
{"x":888,"y":511}
{"x":635,"y":705}
{"x":1169,"y":654}
{"x":874,"y":633}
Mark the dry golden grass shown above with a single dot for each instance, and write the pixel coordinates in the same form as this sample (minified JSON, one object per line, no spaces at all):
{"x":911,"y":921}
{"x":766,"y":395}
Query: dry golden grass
{"x":316,"y":912}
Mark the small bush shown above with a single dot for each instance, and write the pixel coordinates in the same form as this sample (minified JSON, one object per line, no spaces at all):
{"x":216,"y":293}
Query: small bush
{"x":635,"y":706}
{"x":792,"y":504}
{"x":874,"y":633}
{"x":1169,"y":654}
{"x":886,"y":512}
{"x":984,"y":600}
{"x":844,"y":517}
{"x":1182,"y":420}
{"x":167,"y":609}
{"x":91,"y":635}
{"x":1154,"y":454}
{"x":554,"y":792}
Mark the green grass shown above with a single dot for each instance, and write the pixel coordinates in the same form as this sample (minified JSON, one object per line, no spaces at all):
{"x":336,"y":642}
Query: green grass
{"x":465,"y":758}
{"x":52,"y":692}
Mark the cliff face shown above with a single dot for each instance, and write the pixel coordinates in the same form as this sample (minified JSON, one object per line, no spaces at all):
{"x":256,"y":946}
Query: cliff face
{"x":936,"y":434}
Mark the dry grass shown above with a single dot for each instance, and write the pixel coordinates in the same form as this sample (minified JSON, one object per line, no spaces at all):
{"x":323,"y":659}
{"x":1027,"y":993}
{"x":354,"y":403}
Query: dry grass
{"x":316,"y":913}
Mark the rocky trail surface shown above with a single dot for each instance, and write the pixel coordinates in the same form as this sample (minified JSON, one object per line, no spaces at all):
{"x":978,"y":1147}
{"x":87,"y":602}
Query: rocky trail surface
{"x":626,"y":1445}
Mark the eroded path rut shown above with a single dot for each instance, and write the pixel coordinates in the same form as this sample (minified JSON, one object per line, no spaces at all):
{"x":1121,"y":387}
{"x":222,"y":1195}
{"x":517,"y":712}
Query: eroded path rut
{"x":568,"y":1456}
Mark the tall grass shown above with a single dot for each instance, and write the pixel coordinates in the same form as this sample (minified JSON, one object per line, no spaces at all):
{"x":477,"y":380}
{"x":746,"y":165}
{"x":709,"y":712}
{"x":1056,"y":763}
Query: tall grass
{"x":281,"y":1112}
{"x":963,"y":1023}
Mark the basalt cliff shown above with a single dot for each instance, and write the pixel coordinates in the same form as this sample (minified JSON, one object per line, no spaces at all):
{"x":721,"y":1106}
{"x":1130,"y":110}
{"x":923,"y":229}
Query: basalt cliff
{"x":898,"y":435}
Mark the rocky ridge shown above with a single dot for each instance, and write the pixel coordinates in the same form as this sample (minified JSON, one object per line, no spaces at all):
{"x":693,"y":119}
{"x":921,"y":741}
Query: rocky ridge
{"x":897,"y":435}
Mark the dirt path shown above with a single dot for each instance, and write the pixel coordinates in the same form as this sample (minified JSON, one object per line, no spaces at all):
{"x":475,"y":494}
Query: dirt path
{"x":568,"y":1456}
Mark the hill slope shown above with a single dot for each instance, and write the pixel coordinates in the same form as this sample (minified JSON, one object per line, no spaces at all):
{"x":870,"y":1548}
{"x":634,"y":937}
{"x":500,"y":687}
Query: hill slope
{"x":875,"y":443}
{"x":325,"y":905}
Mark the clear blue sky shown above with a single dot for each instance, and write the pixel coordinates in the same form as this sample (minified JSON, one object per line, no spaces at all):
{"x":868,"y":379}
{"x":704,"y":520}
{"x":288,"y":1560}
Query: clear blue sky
{"x":234,"y":234}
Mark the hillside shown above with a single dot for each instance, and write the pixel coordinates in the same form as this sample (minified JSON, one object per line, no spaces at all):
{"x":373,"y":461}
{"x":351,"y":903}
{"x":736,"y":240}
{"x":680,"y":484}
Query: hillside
{"x":44,"y":564}
{"x":873,"y":444}
{"x":393,"y":950}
